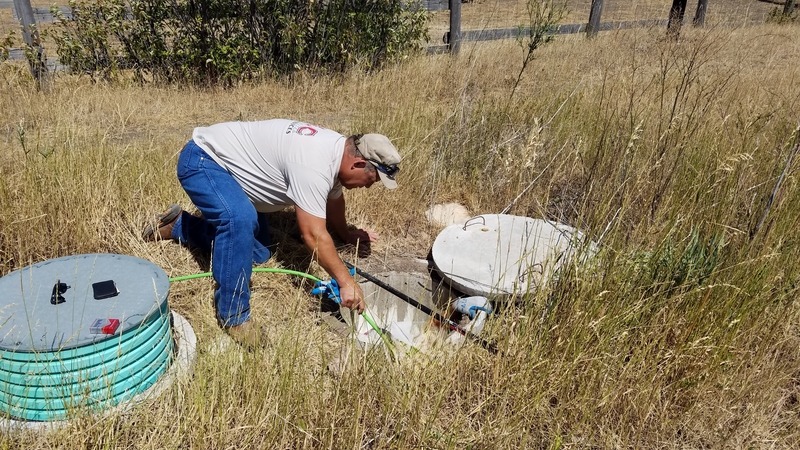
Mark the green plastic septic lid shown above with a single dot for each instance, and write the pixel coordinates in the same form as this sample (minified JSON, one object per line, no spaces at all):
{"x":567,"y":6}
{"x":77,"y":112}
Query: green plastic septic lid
{"x":52,"y":305}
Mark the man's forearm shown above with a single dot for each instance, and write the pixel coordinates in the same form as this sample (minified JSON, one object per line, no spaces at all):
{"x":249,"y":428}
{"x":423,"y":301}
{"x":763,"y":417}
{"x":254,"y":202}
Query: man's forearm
{"x":320,"y":243}
{"x":321,"y":246}
{"x":336,"y":217}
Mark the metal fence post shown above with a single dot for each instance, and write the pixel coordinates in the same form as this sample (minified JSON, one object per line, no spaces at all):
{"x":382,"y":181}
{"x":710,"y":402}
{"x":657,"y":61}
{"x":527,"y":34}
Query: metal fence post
{"x":31,"y":37}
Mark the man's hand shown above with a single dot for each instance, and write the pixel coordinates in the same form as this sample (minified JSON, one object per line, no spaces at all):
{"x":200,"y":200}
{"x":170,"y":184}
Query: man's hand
{"x":361,"y":237}
{"x":352,"y":297}
{"x":337,"y":222}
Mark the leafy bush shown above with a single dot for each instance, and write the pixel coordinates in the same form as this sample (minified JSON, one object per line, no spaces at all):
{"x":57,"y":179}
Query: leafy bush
{"x":5,"y":47}
{"x":85,"y":41}
{"x":227,"y":41}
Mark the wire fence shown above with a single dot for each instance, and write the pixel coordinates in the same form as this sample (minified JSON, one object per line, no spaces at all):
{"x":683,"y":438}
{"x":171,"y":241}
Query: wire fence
{"x":484,"y":20}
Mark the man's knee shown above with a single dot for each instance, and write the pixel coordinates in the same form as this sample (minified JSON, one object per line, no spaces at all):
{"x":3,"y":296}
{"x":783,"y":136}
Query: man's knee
{"x":239,"y":220}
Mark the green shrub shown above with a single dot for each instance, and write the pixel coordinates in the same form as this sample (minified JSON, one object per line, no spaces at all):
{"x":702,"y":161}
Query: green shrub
{"x":677,"y":265}
{"x":5,"y":47}
{"x":228,"y":41}
{"x":85,"y":42}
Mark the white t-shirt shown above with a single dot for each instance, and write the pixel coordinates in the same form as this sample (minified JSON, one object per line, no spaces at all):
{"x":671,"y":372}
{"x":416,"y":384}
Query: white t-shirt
{"x":278,"y":162}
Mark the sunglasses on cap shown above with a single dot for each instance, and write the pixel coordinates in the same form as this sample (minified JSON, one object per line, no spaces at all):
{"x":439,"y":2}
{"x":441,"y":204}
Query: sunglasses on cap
{"x":390,"y":170}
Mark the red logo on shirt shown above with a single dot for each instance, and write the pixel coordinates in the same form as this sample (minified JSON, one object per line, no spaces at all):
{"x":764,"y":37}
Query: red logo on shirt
{"x":306,"y":130}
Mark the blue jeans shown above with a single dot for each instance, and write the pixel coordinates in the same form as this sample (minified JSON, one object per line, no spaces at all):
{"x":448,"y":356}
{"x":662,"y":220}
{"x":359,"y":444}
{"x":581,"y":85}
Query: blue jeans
{"x":239,"y":234}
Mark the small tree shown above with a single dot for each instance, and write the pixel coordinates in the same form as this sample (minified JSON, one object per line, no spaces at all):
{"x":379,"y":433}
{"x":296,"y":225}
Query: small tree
{"x":543,"y":16}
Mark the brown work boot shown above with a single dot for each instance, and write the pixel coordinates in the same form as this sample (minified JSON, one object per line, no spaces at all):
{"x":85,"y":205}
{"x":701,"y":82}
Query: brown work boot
{"x":161,"y":228}
{"x":249,"y":335}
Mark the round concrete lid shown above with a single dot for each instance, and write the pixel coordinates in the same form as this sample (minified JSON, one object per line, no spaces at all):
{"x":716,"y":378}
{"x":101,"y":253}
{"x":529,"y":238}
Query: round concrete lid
{"x":497,"y":255}
{"x":30,"y":322}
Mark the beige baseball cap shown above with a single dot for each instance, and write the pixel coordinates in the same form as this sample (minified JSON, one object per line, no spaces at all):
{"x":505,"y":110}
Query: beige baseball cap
{"x":379,"y":150}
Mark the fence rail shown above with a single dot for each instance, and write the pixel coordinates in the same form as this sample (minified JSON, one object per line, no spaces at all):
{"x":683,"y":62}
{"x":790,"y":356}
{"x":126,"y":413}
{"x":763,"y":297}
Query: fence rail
{"x":436,"y":5}
{"x":44,"y":15}
{"x":509,"y":33}
{"x":517,"y":32}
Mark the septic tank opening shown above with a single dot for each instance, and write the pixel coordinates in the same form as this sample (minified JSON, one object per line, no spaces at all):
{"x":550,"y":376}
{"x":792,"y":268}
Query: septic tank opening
{"x":400,"y":321}
{"x":403,"y":322}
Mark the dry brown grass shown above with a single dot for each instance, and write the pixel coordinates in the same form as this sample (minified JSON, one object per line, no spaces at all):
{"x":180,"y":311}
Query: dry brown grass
{"x":7,"y":21}
{"x":615,"y":358}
